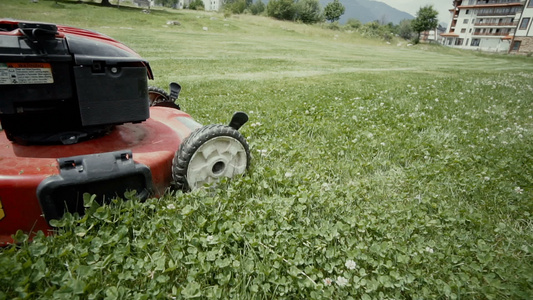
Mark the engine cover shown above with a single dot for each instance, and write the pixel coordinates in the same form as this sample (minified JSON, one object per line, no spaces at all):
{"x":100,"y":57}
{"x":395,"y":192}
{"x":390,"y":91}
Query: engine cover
{"x":61,"y":84}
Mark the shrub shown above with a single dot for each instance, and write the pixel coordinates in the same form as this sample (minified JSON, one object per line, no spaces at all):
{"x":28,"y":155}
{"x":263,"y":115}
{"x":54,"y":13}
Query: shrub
{"x":281,"y":9}
{"x":405,"y":30}
{"x":353,"y":24}
{"x":236,"y":7}
{"x":372,"y":29}
{"x":333,"y":26}
{"x":309,"y":11}
{"x":197,"y":5}
{"x":257,"y":8}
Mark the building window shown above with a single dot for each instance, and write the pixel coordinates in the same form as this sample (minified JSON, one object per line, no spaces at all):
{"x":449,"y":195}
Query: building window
{"x":463,"y":30}
{"x":459,"y":42}
{"x":475,"y":42}
{"x":470,"y":31}
{"x":467,"y":11}
{"x":465,"y":21}
{"x":516,"y":45}
{"x":530,"y":3}
{"x":524,"y":23}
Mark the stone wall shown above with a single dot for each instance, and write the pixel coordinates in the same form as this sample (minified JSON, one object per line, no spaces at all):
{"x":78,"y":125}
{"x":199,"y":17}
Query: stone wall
{"x":526,"y":45}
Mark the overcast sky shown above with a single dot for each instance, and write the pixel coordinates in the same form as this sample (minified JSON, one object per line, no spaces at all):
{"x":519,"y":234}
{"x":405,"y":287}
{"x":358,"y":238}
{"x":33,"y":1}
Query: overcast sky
{"x":412,"y":6}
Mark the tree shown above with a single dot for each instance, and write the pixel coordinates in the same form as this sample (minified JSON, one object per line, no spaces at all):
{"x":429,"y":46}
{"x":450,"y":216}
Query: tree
{"x":308,"y":11}
{"x":257,"y":7}
{"x":281,"y":9}
{"x":426,"y":19}
{"x":405,"y":30}
{"x":333,"y":11}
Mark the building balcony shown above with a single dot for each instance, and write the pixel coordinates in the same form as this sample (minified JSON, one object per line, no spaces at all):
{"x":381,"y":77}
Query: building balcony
{"x":491,"y":33}
{"x":485,"y":2}
{"x":450,"y":34}
{"x":496,"y":2}
{"x":497,"y":14}
{"x":500,"y":24}
{"x":493,"y":5}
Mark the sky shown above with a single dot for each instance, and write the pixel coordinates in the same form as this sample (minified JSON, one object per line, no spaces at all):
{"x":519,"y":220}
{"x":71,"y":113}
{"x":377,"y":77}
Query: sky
{"x":412,"y":6}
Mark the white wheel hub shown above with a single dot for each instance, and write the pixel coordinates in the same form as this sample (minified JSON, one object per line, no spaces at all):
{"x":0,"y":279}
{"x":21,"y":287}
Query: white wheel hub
{"x":222,"y":156}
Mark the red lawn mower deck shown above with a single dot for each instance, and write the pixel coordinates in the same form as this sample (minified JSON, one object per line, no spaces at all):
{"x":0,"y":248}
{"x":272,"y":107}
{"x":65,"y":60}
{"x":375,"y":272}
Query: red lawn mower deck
{"x":78,"y":117}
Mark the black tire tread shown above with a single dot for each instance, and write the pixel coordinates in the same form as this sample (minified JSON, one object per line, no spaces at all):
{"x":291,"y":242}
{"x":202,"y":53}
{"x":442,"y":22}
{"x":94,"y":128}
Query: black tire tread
{"x":164,"y":96}
{"x":192,"y":143}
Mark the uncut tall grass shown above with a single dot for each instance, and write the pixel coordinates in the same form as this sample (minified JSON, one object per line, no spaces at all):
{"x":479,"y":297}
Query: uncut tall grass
{"x":379,"y":171}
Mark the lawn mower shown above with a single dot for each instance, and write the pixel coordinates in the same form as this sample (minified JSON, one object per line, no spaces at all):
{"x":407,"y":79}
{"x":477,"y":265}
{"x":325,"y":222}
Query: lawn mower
{"x":77,"y":116}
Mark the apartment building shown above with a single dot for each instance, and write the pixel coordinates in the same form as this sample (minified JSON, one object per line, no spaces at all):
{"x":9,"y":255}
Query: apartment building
{"x":213,"y":5}
{"x":522,"y":42}
{"x":490,"y":25}
{"x":433,"y":35}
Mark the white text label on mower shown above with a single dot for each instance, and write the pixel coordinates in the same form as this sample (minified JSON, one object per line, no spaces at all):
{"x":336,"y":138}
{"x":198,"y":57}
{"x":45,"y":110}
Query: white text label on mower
{"x":26,"y":73}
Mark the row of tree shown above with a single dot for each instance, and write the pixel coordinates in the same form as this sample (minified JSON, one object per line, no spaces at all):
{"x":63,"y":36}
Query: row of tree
{"x":310,"y":11}
{"x":306,"y":11}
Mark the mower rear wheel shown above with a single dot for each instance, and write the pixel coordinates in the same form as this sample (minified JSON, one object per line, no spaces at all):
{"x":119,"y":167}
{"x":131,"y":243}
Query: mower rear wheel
{"x":159,"y":97}
{"x":210,"y":153}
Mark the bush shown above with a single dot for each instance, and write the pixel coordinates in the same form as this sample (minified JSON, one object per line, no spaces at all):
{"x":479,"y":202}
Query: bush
{"x":372,"y":29}
{"x":282,"y":9}
{"x":165,"y":3}
{"x":257,"y":8}
{"x":197,"y":5}
{"x":227,"y":13}
{"x":333,"y":26}
{"x":405,"y":30}
{"x":353,"y":24}
{"x":309,"y":11}
{"x":236,"y":7}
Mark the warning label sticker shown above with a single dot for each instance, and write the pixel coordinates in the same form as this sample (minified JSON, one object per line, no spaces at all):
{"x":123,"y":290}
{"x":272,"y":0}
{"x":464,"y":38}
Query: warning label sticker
{"x":26,"y":73}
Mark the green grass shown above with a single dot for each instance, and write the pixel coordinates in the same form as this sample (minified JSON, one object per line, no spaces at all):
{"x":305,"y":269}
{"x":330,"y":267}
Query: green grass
{"x":414,"y":163}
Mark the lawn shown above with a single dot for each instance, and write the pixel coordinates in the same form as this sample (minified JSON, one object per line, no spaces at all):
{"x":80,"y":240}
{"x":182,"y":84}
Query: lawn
{"x":379,"y":171}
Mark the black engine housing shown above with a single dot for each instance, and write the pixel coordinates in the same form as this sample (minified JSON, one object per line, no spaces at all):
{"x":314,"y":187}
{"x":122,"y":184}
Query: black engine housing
{"x":62,"y":87}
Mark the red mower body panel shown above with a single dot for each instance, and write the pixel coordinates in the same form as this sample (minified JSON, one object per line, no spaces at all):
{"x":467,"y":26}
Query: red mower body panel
{"x":23,"y":168}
